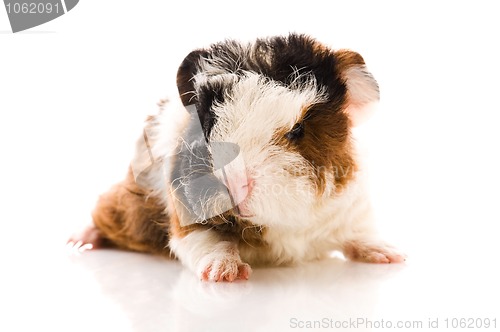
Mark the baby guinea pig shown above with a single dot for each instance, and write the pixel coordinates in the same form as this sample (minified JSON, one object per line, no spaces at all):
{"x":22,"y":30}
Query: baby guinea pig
{"x":252,"y":163}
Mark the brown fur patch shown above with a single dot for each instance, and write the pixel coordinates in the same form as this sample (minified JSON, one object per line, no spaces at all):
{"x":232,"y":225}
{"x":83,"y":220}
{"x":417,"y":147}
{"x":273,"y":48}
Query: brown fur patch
{"x":240,"y":230}
{"x":326,"y":144}
{"x":252,"y":235}
{"x":178,"y":231}
{"x":348,"y":58}
{"x":228,"y":225}
{"x":127,"y":217}
{"x":320,"y":48}
{"x":132,"y":219}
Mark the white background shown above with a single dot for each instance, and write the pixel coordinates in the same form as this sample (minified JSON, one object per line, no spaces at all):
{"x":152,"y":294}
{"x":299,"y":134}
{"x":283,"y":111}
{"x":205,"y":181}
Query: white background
{"x":75,"y":91}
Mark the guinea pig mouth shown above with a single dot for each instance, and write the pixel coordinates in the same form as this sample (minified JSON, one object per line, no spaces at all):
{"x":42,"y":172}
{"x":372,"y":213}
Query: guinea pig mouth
{"x":245,"y":216}
{"x":241,"y":211}
{"x":205,"y":194}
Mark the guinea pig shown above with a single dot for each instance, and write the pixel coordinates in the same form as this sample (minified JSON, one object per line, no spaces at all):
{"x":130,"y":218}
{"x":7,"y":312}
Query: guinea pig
{"x":253,"y":163}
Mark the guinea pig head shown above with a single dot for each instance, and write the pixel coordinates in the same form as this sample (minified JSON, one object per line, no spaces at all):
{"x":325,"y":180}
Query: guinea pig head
{"x":286,"y":105}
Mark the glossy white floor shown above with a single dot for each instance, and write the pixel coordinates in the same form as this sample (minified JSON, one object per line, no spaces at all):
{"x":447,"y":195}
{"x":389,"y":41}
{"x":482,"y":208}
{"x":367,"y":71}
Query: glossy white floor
{"x":73,"y":94}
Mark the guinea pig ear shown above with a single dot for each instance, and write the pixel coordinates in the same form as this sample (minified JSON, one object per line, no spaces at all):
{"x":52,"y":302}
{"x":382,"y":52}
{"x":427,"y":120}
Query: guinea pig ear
{"x":362,"y":88}
{"x":185,"y":75}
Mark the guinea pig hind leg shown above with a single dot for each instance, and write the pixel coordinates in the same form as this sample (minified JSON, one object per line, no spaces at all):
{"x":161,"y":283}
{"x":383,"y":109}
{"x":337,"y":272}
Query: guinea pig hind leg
{"x":371,"y":250}
{"x":210,"y":256}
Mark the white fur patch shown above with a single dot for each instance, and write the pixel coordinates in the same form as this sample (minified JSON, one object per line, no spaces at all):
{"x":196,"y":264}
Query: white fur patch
{"x":329,"y":223}
{"x":234,"y":57}
{"x":213,"y":259}
{"x":156,"y":147}
{"x":251,"y":115}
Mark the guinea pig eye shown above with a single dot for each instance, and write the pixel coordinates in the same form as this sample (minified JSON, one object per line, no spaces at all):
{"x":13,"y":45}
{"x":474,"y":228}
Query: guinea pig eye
{"x":296,"y":133}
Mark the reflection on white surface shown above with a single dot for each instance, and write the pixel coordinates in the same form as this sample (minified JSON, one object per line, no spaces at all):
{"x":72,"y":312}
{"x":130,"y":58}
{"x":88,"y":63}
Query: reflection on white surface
{"x":106,"y":290}
{"x":145,"y":293}
{"x":275,"y":296}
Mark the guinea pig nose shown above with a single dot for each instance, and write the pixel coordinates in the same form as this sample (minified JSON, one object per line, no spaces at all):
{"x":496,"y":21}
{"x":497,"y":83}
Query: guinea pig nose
{"x":239,"y":188}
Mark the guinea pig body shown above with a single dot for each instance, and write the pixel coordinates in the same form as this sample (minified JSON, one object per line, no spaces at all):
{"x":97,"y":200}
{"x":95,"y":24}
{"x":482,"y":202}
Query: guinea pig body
{"x":255,"y":163}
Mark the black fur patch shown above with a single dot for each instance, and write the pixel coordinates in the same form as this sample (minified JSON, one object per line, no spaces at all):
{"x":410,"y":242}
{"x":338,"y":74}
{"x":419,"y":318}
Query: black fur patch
{"x":292,"y":59}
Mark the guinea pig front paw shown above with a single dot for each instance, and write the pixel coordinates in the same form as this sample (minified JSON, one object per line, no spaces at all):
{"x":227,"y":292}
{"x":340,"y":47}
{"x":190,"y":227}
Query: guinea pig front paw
{"x":89,"y":238}
{"x":218,"y":267}
{"x":373,"y":252}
